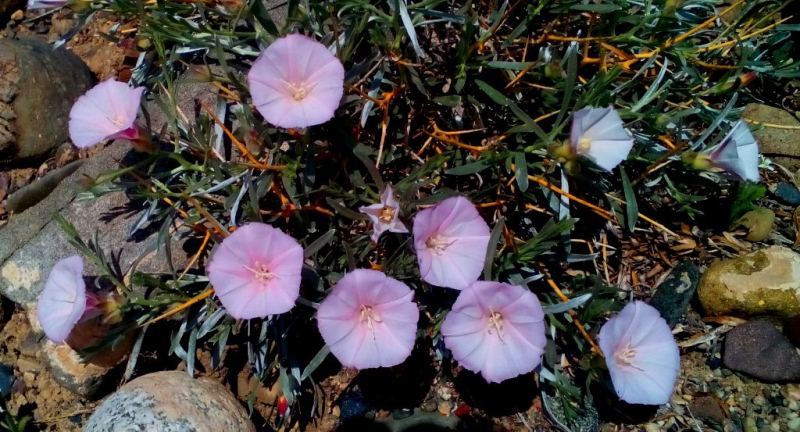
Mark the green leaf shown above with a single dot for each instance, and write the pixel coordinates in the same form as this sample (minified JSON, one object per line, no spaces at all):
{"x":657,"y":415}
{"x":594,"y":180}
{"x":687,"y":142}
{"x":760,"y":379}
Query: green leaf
{"x":632,"y":207}
{"x":469,"y":168}
{"x":320,"y":357}
{"x":491,"y":249}
{"x":319,"y":243}
{"x":521,"y":171}
{"x":567,"y":305}
{"x":596,"y":8}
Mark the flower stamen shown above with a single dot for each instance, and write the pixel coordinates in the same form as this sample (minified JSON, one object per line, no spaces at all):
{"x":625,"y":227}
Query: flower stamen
{"x":387,"y":215}
{"x":368,"y":315}
{"x":261,"y":272}
{"x":496,"y":323}
{"x":438,"y":243}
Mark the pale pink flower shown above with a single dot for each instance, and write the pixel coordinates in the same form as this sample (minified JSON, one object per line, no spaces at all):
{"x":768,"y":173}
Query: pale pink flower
{"x":369,"y":320}
{"x":63,"y":301}
{"x":737,"y":153}
{"x":385,"y":215}
{"x":46,"y":4}
{"x":451,"y":240}
{"x":599,"y":135}
{"x":641,"y":354}
{"x":256,"y":270}
{"x":296,"y":82}
{"x":496,"y":329}
{"x":107,"y":111}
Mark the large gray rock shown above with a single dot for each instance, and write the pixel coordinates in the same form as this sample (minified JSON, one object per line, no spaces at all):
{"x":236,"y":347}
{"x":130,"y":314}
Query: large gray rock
{"x":757,"y":348}
{"x":765,"y":282}
{"x":33,"y":241}
{"x":170,"y":402}
{"x":780,"y":144}
{"x":38,"y":86}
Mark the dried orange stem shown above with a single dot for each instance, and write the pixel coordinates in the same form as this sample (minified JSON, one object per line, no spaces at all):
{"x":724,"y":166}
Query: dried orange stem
{"x":242,"y":149}
{"x":183,"y":306}
{"x":197,"y":255}
{"x":597,"y":209}
{"x":574,"y":317}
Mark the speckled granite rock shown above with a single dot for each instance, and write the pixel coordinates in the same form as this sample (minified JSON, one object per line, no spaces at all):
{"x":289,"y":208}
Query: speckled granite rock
{"x":170,"y":402}
{"x":765,"y":282}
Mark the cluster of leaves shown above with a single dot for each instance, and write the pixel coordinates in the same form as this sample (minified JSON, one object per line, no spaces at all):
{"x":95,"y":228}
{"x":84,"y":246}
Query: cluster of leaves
{"x":442,"y":97}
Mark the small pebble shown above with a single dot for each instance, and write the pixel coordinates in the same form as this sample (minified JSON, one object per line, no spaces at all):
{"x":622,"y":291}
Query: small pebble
{"x":18,"y":15}
{"x":429,"y":406}
{"x":794,"y":424}
{"x":444,"y":408}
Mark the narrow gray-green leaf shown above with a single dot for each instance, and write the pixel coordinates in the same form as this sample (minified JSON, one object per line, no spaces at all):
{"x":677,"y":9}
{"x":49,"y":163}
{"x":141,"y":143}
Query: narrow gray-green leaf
{"x":631,"y":208}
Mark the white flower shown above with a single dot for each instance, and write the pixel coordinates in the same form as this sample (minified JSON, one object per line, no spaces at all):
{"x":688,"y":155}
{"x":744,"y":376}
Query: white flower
{"x":599,"y":135}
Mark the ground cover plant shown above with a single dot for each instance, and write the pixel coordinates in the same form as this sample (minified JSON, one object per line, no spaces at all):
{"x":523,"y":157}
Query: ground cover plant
{"x":465,"y":179}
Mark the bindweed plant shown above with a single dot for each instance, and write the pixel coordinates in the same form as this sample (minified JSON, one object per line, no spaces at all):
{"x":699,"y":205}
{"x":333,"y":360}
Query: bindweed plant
{"x":361,"y":153}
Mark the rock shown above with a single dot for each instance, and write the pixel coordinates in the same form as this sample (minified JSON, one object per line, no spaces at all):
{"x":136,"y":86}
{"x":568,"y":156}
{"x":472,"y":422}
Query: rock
{"x":787,"y":193}
{"x":38,"y":85}
{"x":32,"y":241}
{"x":758,"y":349}
{"x":708,"y":407}
{"x":444,"y":408}
{"x":758,"y":222}
{"x":6,"y":380}
{"x":35,"y":192}
{"x":676,"y":291}
{"x":353,"y":405}
{"x":779,"y":144}
{"x":765,"y":282}
{"x":420,"y":421}
{"x":7,"y":8}
{"x":791,"y":328}
{"x":170,"y":402}
{"x":84,"y":376}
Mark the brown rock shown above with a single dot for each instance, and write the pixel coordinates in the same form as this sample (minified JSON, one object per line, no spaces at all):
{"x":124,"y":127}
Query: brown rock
{"x":708,"y":407}
{"x":758,"y":349}
{"x":38,"y":85}
{"x":765,"y":282}
{"x":779,"y":144}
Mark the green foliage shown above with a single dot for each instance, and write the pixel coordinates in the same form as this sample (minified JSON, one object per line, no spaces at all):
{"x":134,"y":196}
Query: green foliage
{"x":464,"y":98}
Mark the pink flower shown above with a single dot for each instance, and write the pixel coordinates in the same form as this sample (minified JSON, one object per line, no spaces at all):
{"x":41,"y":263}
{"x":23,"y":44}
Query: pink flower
{"x":369,"y":320}
{"x":296,"y":82}
{"x":107,"y":111}
{"x":255,"y":271}
{"x":451,"y":240}
{"x":641,"y":355}
{"x":63,"y":301}
{"x":385,"y":216}
{"x":496,"y":329}
{"x":46,"y":4}
{"x":737,"y":153}
{"x":599,"y":135}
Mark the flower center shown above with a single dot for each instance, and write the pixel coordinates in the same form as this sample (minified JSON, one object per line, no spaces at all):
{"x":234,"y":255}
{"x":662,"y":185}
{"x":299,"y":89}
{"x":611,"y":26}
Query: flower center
{"x":297,"y":90}
{"x":387,"y":214}
{"x":626,"y":356}
{"x":496,"y":323}
{"x":261,"y":273}
{"x":584,"y":144}
{"x":370,"y":316}
{"x":438,"y":243}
